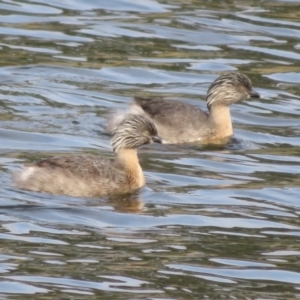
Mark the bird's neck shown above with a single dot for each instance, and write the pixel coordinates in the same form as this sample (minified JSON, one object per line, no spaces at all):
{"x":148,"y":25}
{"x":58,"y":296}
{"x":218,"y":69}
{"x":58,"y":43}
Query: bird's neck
{"x":220,"y":120}
{"x":127,"y":159}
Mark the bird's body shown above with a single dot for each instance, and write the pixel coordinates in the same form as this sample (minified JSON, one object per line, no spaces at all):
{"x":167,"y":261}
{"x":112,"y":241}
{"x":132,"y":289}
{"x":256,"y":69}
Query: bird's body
{"x":92,"y":176}
{"x":179,"y":122}
{"x":167,"y":122}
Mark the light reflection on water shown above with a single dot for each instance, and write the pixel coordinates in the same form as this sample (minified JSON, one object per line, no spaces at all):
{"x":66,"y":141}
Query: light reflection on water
{"x":215,"y":222}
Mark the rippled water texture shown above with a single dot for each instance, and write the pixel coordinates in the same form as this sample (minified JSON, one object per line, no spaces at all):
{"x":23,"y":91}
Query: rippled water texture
{"x":212,"y":223}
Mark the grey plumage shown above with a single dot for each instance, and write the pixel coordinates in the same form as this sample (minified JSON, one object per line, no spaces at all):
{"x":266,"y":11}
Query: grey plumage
{"x":179,"y":122}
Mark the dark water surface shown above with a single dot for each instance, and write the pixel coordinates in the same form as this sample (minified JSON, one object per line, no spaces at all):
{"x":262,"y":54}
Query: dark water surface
{"x":212,"y":223}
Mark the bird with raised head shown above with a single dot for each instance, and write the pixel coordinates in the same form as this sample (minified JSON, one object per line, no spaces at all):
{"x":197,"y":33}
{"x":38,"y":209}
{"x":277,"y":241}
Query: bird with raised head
{"x":179,"y":122}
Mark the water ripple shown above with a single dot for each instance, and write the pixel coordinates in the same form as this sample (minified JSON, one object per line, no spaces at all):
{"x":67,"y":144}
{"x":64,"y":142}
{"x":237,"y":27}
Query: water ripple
{"x":218,"y":222}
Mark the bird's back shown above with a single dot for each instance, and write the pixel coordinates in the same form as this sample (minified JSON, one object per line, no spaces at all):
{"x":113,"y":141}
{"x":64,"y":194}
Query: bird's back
{"x":177,"y":122}
{"x":85,"y":176}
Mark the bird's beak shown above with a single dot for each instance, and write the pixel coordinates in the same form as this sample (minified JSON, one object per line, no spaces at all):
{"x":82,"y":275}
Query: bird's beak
{"x":254,"y":94}
{"x":156,"y":139}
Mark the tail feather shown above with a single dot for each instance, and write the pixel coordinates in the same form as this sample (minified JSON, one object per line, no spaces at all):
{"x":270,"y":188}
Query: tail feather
{"x":22,"y":177}
{"x":116,"y":117}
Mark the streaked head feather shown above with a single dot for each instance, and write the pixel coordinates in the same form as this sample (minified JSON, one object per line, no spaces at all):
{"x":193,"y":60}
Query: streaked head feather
{"x":132,"y":132}
{"x":229,"y":88}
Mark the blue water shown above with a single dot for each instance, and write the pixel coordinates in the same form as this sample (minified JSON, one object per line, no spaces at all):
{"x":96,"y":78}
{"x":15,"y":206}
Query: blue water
{"x":212,"y":223}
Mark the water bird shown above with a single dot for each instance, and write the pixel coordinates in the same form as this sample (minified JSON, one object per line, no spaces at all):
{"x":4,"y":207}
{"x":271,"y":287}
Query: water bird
{"x":91,"y":175}
{"x":179,"y":122}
